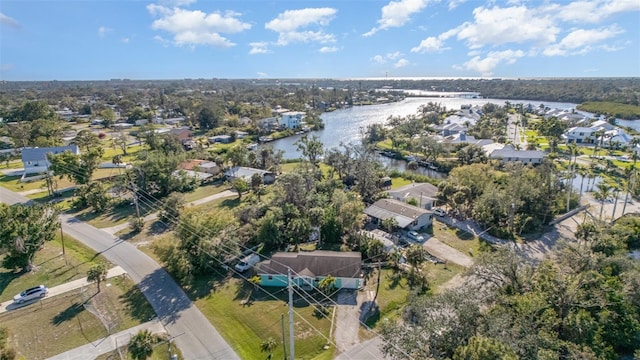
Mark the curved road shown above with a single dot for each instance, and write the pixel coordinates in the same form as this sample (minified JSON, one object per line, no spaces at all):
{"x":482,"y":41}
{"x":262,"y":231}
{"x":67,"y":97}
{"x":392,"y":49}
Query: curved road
{"x":194,"y":334}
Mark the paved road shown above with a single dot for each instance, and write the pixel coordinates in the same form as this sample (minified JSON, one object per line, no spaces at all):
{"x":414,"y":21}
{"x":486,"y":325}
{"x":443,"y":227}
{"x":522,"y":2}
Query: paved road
{"x":441,"y":250}
{"x":61,"y":289}
{"x":195,"y":336}
{"x":108,"y":344}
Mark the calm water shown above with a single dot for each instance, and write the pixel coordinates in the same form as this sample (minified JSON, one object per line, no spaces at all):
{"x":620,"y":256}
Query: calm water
{"x":346,"y":126}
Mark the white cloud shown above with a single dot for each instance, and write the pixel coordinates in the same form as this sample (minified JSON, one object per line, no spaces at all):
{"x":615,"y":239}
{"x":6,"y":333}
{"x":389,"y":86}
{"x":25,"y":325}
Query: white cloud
{"x":581,"y":41}
{"x":401,"y":63}
{"x":262,"y":74}
{"x":194,"y":27}
{"x":379,"y":59}
{"x":497,"y":26}
{"x":390,"y":57}
{"x":290,"y":24}
{"x":177,"y":2}
{"x":8,"y":21}
{"x":162,"y":40}
{"x":125,"y":40}
{"x":6,"y":67}
{"x":259,"y":47}
{"x":393,"y":56}
{"x":397,"y":14}
{"x":485,"y":66}
{"x":328,"y":49}
{"x":429,"y":44}
{"x":103,"y":30}
{"x":616,"y":6}
{"x":454,"y":3}
{"x":433,"y":44}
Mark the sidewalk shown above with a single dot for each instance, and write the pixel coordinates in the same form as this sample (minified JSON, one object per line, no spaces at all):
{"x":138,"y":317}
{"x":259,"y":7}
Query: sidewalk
{"x":110,"y":343}
{"x":60,"y":289}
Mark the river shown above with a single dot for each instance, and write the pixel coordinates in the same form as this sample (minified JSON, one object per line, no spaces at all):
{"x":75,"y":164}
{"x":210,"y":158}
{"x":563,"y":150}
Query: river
{"x":347,"y":125}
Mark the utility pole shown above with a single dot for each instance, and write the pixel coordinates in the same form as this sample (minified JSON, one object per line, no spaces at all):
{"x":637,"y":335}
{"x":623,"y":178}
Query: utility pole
{"x":62,"y":241}
{"x":135,"y":197}
{"x":284,"y":344}
{"x":291,"y":335}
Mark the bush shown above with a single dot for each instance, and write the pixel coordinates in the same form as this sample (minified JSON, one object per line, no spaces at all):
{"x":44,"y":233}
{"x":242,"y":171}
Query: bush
{"x":136,"y":224}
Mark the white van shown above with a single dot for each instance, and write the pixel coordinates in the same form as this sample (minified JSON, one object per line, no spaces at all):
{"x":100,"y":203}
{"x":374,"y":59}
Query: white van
{"x":247,"y":262}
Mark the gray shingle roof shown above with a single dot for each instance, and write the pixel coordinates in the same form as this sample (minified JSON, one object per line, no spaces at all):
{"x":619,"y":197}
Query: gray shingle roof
{"x":40,"y":154}
{"x":404,"y":214}
{"x":315,"y":263}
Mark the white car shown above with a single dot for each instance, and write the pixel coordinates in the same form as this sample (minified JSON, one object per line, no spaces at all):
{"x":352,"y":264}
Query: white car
{"x":35,"y":292}
{"x":439,"y":212}
{"x":413,"y":235}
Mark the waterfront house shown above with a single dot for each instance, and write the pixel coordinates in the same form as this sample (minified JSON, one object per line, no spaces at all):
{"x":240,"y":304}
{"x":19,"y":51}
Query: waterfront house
{"x":241,"y":172}
{"x":424,"y":193}
{"x":309,"y":268}
{"x":407,"y":216}
{"x":34,"y":160}
{"x":291,"y":119}
{"x":509,"y":154}
{"x":579,"y":135}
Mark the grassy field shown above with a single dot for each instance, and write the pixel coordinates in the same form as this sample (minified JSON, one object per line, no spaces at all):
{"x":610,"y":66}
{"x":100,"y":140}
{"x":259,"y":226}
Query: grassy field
{"x":160,"y":352}
{"x":50,"y":267}
{"x":204,"y":191}
{"x":460,"y":240}
{"x":246,"y":326}
{"x":13,"y":182}
{"x":61,"y":323}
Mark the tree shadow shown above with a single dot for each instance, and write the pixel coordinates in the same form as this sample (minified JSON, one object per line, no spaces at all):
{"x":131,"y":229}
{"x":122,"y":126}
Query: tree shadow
{"x":230,"y":203}
{"x":165,"y":295}
{"x":463,"y":235}
{"x":137,"y":305}
{"x":394,"y":279}
{"x":6,"y":278}
{"x":68,"y":314}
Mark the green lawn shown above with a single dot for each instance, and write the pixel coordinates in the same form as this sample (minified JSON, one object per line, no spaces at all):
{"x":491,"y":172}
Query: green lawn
{"x":61,"y":323}
{"x":50,"y":267}
{"x":246,"y":326}
{"x":204,"y":191}
{"x":160,"y":352}
{"x":460,"y":240}
{"x":13,"y":182}
{"x":397,"y":182}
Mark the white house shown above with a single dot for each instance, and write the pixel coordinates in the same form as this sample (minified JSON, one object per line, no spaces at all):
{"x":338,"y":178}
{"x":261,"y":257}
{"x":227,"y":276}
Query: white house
{"x":34,"y":160}
{"x":616,"y":138}
{"x":509,"y":154}
{"x":424,"y":193}
{"x":407,"y":216}
{"x":291,"y":119}
{"x":579,"y":135}
{"x":241,"y":172}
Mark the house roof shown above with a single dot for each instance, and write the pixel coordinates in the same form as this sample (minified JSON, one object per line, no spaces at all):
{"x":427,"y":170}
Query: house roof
{"x":424,"y":190}
{"x":510,"y":152}
{"x":244,"y":172}
{"x":404,"y":214}
{"x":314,"y":263}
{"x":40,"y":154}
{"x":191,"y":164}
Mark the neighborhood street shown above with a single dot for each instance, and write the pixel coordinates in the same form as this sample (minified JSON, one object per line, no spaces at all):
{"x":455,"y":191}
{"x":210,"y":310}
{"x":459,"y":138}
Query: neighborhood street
{"x":195,"y":336}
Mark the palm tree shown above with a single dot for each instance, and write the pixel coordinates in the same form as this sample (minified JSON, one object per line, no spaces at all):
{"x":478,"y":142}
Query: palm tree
{"x":631,"y":176}
{"x":268,"y":346}
{"x":141,"y":345}
{"x":573,"y":152}
{"x":583,"y":172}
{"x":602,"y":195}
{"x":616,"y":191}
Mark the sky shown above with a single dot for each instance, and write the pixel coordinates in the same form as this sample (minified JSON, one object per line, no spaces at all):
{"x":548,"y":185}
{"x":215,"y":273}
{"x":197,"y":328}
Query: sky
{"x":176,"y":39}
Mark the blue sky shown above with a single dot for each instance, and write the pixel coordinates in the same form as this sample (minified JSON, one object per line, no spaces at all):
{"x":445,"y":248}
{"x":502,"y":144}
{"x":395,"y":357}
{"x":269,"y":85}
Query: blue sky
{"x":174,"y":39}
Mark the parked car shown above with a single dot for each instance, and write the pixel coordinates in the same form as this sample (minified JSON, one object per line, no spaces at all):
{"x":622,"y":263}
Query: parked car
{"x":247,"y":262}
{"x":413,"y":235}
{"x":439,"y":212}
{"x":30,"y":294}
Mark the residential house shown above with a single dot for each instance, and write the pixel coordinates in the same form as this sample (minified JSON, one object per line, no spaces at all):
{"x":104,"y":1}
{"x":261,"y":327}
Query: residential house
{"x":34,"y":160}
{"x":616,"y":138}
{"x":241,"y":134}
{"x":424,"y":194}
{"x":182,"y":133}
{"x":224,"y":139}
{"x":309,"y":268}
{"x":509,"y":154}
{"x":241,"y":172}
{"x":268,"y":124}
{"x":387,"y":240}
{"x":579,"y":135}
{"x":407,"y":216}
{"x":291,"y":119}
{"x":204,"y":166}
{"x":141,"y":122}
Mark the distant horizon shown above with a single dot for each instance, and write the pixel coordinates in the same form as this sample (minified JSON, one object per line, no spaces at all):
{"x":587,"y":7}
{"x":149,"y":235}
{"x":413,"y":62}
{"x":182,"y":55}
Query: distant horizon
{"x":400,"y":78}
{"x":67,"y":40}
